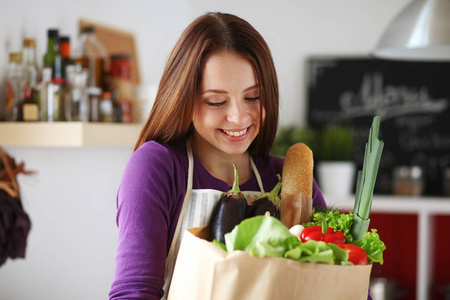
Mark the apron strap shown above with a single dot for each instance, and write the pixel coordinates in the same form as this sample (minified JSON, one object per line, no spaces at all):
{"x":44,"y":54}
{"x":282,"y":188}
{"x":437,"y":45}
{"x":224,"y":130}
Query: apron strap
{"x":170,"y":261}
{"x":186,"y":202}
{"x":257,"y":175}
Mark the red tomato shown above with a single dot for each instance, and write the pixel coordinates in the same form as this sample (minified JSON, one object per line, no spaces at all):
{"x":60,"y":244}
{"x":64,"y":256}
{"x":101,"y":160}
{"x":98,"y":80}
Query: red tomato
{"x":356,"y":254}
{"x":315,"y":233}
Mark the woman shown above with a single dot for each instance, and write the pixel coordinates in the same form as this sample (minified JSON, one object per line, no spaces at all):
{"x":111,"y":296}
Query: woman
{"x":217,"y":105}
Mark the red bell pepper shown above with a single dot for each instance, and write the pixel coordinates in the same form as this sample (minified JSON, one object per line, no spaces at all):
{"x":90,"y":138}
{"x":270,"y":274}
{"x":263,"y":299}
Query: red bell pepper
{"x":356,"y":254}
{"x":322,"y":233}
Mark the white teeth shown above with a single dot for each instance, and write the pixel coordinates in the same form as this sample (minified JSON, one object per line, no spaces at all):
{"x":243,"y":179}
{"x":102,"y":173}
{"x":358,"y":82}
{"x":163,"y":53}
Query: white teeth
{"x":235,"y":133}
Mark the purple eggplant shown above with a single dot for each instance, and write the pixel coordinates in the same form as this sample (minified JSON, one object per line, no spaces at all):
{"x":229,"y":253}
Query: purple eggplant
{"x":267,"y":202}
{"x":229,"y":211}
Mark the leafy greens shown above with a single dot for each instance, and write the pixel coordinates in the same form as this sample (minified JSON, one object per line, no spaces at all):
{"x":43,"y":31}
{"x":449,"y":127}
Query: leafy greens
{"x":263,"y":236}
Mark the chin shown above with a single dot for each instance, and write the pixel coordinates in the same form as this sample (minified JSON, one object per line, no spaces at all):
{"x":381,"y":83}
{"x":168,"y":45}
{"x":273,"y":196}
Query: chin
{"x":236,"y":149}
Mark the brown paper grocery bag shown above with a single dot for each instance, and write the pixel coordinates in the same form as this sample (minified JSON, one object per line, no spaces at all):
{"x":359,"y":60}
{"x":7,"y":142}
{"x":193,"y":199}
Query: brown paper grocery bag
{"x":203,"y":271}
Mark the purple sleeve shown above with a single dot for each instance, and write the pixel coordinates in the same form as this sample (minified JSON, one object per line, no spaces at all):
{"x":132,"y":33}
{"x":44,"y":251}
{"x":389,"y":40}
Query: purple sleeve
{"x":317,"y":196}
{"x":146,"y":203}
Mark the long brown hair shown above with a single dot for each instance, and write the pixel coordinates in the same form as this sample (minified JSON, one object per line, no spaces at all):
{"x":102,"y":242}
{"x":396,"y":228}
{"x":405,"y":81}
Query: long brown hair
{"x":170,"y":120}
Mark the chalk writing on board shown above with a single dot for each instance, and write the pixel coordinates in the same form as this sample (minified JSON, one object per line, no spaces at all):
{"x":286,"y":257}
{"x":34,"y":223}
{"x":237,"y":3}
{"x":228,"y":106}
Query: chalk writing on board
{"x":413,"y":100}
{"x":375,"y":98}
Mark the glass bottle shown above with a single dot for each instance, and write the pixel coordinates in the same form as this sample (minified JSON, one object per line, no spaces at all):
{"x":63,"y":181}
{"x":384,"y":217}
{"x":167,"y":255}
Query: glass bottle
{"x":106,"y":108}
{"x":64,"y":51}
{"x":28,"y":110}
{"x":52,"y":56}
{"x":51,"y":97}
{"x":77,"y":102}
{"x":43,"y":88}
{"x":408,"y":181}
{"x":13,"y":84}
{"x":91,"y":54}
{"x":94,"y":95}
{"x":117,"y":108}
{"x":29,"y":63}
{"x":55,"y":94}
{"x":127,"y":114}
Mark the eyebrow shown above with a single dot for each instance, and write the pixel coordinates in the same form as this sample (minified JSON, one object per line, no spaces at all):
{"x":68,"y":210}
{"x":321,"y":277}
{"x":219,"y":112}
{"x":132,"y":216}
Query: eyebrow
{"x":225,"y":92}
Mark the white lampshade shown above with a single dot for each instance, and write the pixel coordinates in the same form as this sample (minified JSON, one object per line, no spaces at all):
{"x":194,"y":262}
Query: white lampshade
{"x":421,"y":31}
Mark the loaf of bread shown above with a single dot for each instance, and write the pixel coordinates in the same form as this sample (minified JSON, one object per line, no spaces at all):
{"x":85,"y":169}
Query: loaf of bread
{"x":296,"y":186}
{"x":297,"y":176}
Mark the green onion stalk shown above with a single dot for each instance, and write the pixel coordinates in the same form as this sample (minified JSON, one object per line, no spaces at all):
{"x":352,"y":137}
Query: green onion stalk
{"x":366,"y":182}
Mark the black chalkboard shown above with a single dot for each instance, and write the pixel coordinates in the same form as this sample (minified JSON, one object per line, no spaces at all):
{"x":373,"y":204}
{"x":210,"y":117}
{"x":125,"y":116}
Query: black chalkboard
{"x":413,"y":99}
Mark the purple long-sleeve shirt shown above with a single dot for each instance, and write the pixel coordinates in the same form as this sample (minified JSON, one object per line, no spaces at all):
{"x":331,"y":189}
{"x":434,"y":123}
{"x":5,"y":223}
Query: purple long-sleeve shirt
{"x":149,"y":202}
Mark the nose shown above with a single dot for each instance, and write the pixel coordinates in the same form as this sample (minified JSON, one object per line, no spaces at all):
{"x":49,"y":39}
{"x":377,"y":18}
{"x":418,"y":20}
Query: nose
{"x":236,"y":113}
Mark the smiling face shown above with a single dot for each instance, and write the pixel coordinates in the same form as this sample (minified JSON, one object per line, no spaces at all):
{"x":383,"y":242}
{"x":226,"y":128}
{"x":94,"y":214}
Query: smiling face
{"x":227,"y":112}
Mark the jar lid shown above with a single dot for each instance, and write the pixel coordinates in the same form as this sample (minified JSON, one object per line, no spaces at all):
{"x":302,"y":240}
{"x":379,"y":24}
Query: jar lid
{"x":64,"y":38}
{"x":401,"y":172}
{"x":416,"y":172}
{"x":94,"y":91}
{"x":15,"y":57}
{"x":408,"y":172}
{"x":52,"y":33}
{"x":28,"y":42}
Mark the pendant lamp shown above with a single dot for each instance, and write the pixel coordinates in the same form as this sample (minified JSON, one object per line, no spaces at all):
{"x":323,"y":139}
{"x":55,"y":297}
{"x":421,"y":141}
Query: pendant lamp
{"x":420,"y":32}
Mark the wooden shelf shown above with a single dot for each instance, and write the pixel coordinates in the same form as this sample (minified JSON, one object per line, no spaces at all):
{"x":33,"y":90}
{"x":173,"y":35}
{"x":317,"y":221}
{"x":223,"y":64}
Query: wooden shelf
{"x":68,"y":134}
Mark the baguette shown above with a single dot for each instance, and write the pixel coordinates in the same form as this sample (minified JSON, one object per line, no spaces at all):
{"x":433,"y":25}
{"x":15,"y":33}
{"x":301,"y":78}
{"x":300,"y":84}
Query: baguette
{"x":297,"y":183}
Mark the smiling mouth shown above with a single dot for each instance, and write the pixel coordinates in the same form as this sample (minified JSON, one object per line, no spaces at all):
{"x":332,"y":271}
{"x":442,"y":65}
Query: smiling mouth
{"x":235,"y":133}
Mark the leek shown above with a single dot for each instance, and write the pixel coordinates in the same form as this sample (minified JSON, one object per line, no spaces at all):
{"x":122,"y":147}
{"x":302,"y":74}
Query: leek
{"x":366,"y":181}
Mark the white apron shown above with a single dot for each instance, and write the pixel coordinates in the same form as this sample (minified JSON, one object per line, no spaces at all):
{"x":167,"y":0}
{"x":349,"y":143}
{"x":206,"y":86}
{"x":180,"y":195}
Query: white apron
{"x":196,"y":211}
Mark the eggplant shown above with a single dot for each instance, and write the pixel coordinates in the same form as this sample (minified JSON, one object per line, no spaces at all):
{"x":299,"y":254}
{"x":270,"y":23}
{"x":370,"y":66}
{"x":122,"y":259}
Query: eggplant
{"x":267,"y":202}
{"x":229,"y":211}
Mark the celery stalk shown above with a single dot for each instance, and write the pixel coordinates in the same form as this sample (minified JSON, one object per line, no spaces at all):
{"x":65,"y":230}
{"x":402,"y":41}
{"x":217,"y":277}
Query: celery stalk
{"x":366,"y":181}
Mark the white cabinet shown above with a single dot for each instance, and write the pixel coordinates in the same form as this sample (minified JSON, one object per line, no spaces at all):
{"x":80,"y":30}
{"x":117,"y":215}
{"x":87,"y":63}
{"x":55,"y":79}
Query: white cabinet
{"x":425,"y":208}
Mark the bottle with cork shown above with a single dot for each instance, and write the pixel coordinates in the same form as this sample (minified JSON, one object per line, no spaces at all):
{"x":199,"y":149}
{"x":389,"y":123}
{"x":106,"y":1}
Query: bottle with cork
{"x":29,"y":107}
{"x":13,"y":84}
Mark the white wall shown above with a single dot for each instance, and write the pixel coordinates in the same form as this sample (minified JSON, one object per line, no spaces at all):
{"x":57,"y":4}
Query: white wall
{"x":71,"y":199}
{"x":71,"y":203}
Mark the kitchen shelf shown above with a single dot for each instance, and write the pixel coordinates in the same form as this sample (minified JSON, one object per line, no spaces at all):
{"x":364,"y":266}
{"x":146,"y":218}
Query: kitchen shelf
{"x":397,"y":204}
{"x":425,"y":208}
{"x":68,"y":134}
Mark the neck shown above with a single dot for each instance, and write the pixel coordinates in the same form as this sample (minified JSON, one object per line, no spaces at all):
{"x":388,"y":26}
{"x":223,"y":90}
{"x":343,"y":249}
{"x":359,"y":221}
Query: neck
{"x":220,"y":165}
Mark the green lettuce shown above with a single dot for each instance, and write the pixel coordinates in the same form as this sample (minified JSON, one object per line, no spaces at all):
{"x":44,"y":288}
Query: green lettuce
{"x":343,"y":222}
{"x":263,"y":236}
{"x":338,"y":221}
{"x":373,"y":246}
{"x":253,"y":235}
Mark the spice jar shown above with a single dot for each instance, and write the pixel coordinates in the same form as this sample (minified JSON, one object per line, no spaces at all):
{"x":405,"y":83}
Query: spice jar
{"x":408,"y":181}
{"x":120,"y":66}
{"x":106,"y":108}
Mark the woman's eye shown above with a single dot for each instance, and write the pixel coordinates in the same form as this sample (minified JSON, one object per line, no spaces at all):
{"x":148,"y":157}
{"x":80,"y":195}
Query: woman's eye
{"x":252,"y":98}
{"x":216,"y":104}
